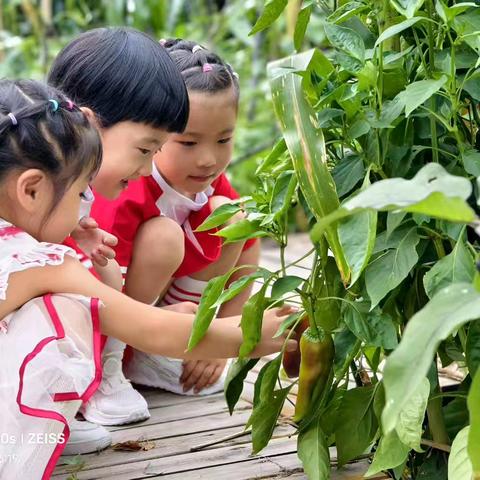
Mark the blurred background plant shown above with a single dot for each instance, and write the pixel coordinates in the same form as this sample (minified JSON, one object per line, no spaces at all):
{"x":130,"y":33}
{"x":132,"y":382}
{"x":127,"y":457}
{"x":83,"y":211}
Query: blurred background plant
{"x":32,"y":32}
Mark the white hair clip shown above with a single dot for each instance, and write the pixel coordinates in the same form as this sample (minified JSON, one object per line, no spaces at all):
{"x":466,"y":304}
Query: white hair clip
{"x":196,"y":48}
{"x":13,"y":119}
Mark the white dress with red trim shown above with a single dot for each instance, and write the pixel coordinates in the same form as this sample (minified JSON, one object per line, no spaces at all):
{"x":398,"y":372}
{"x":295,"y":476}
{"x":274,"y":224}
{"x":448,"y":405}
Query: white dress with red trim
{"x":49,"y":362}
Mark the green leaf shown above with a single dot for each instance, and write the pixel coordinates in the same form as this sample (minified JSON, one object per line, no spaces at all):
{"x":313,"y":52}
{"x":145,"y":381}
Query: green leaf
{"x":396,"y":29}
{"x":374,"y":328}
{"x":467,"y":26}
{"x":471,"y":160}
{"x":357,"y":237}
{"x":447,"y":14}
{"x":272,"y":159}
{"x":282,"y":193}
{"x":419,"y":92}
{"x":287,"y":323}
{"x":219,"y":216}
{"x":285,"y":284}
{"x":242,"y":230}
{"x":359,"y":425}
{"x":264,"y":419}
{"x":472,"y":85}
{"x":306,"y":144}
{"x":271,"y":11}
{"x":236,"y":374}
{"x":346,"y":40}
{"x":206,"y":312}
{"x":389,"y":269}
{"x":313,"y":452}
{"x":347,"y":173}
{"x":410,"y":362}
{"x":456,"y":267}
{"x":432,"y":191}
{"x":251,"y":323}
{"x":239,"y":285}
{"x":265,"y":384}
{"x":459,"y":463}
{"x":301,"y":26}
{"x":409,"y":427}
{"x":407,"y":8}
{"x":472,"y":349}
{"x":394,"y":219}
{"x":391,"y":453}
{"x":473,"y":402}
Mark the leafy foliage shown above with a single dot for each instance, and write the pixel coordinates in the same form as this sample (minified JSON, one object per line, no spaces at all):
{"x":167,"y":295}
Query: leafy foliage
{"x":380,"y":124}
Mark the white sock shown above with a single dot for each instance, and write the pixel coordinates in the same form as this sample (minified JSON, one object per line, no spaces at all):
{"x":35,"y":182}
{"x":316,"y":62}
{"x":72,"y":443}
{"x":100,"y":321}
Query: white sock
{"x":184,"y":289}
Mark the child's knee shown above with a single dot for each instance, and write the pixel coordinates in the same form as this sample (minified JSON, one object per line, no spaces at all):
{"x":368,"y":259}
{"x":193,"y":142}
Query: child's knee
{"x":162,"y":239}
{"x":218,"y":200}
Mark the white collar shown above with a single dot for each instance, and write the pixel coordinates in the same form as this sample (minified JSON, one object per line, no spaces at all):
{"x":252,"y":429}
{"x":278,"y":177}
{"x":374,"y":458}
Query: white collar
{"x":173,"y":204}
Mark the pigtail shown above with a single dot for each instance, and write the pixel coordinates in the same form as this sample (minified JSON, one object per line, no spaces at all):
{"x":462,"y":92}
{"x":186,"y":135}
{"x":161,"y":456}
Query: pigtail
{"x":202,"y":70}
{"x":41,"y":128}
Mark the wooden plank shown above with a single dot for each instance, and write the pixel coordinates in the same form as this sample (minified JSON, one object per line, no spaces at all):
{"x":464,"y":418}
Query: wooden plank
{"x":281,"y":466}
{"x":355,"y":471}
{"x":181,"y":427}
{"x":169,"y":447}
{"x":157,"y":397}
{"x":185,"y":462}
{"x":199,"y":408}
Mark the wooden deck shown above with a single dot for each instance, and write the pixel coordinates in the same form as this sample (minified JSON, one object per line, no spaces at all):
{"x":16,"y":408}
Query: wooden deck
{"x":172,"y":441}
{"x":176,"y":442}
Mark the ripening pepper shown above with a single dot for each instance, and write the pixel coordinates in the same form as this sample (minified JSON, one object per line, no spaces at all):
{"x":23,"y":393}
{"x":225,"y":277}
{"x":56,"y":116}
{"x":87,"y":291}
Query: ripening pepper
{"x":291,"y":360}
{"x":317,"y":360}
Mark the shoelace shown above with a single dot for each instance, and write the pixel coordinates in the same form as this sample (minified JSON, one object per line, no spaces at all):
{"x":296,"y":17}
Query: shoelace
{"x":113,"y":375}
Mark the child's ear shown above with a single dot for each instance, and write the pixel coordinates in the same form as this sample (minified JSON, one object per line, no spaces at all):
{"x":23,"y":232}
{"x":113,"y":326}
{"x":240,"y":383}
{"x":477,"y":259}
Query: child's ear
{"x":32,"y":189}
{"x":92,"y":118}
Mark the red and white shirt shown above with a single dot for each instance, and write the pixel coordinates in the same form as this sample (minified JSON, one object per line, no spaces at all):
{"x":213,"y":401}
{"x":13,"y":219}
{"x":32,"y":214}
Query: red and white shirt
{"x":151,"y":197}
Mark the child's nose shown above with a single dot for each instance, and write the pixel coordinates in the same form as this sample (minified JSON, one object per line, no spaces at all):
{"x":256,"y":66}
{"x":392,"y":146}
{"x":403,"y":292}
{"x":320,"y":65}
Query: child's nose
{"x":206,"y":160}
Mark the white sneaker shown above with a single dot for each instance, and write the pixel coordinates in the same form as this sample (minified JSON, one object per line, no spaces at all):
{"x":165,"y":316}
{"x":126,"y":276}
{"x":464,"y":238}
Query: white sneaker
{"x":164,"y":372}
{"x":115,"y":402}
{"x":86,"y":437}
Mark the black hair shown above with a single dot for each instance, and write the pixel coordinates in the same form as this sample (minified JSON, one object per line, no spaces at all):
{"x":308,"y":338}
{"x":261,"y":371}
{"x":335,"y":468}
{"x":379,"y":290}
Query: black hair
{"x":191,"y":57}
{"x":122,"y":74}
{"x":41,"y":128}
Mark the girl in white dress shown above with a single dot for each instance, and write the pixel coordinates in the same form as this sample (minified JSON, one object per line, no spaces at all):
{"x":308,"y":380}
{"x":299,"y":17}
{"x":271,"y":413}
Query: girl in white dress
{"x":49,"y":339}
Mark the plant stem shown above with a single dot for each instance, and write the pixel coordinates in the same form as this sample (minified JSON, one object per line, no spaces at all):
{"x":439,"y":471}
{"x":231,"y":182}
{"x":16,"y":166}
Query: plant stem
{"x":431,"y":61}
{"x":436,"y":420}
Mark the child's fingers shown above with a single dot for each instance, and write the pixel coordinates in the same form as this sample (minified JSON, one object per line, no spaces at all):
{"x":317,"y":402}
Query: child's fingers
{"x":99,"y":259}
{"x":285,"y":310}
{"x":107,"y":252}
{"x":109,"y":239}
{"x":215,"y":376}
{"x":291,"y":345}
{"x":188,"y":367}
{"x":192,"y":379}
{"x":204,"y":378}
{"x":88,"y":222}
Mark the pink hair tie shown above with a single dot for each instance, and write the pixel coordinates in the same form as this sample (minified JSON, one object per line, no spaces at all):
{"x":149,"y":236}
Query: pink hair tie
{"x":207,"y":67}
{"x":70,"y":105}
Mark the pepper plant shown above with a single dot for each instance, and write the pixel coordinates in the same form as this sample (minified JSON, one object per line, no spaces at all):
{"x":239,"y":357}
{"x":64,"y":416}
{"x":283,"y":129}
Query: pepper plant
{"x":380,"y":146}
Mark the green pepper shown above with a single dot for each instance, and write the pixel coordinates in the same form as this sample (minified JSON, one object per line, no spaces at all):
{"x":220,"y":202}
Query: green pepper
{"x":317,"y":359}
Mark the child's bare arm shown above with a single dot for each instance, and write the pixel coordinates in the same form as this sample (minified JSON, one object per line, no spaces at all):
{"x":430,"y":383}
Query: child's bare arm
{"x":146,"y":328}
